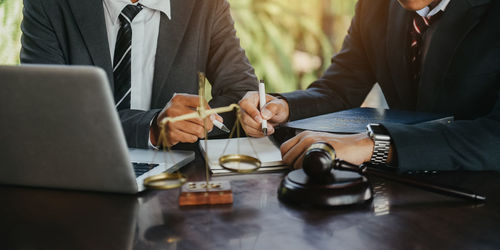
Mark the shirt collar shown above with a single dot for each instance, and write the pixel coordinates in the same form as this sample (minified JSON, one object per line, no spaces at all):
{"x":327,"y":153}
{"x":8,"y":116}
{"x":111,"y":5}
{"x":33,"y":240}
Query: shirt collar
{"x":115,"y":7}
{"x":427,"y":12}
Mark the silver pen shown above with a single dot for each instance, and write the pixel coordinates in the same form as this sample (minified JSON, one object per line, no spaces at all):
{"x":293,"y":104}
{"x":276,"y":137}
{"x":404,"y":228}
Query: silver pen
{"x":262,"y":102}
{"x":220,"y":125}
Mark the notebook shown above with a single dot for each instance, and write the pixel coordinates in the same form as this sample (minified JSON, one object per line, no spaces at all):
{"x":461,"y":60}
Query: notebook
{"x":263,"y":149}
{"x":355,"y":120}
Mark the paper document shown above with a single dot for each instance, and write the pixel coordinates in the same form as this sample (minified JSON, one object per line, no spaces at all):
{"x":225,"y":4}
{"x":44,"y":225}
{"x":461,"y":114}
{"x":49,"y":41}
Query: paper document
{"x":263,"y":149}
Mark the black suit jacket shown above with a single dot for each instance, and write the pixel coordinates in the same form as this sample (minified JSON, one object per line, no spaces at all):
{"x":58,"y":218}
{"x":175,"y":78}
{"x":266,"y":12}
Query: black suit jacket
{"x":460,"y":76}
{"x":200,"y":36}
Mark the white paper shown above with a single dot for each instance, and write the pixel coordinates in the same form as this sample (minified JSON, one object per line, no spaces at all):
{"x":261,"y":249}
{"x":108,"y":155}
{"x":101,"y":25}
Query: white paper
{"x":263,"y":149}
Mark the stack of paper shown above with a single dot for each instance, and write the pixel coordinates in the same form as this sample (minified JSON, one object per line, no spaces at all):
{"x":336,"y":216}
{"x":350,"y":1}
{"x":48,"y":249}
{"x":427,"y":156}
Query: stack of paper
{"x":263,"y":149}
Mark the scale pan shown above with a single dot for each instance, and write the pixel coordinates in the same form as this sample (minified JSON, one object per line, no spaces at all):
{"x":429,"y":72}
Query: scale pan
{"x":164,"y":181}
{"x":239,"y":163}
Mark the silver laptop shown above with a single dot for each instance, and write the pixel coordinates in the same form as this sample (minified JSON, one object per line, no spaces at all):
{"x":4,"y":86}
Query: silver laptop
{"x":59,"y":129}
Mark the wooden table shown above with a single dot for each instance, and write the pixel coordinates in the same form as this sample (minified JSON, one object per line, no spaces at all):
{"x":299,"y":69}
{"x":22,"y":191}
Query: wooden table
{"x":399,"y":217}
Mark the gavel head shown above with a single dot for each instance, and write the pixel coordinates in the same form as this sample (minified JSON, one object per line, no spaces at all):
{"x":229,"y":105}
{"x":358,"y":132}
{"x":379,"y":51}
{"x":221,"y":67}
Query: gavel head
{"x":318,"y":161}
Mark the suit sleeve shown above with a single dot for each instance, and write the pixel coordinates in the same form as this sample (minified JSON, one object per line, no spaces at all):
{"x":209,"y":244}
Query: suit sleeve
{"x":228,"y":68}
{"x":462,"y":145}
{"x":39,"y":40}
{"x":344,"y":84}
{"x":136,"y":125}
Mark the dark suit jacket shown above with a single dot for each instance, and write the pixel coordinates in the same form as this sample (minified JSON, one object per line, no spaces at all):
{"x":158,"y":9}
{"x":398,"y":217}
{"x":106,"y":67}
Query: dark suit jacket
{"x":200,"y":36}
{"x":460,"y":76}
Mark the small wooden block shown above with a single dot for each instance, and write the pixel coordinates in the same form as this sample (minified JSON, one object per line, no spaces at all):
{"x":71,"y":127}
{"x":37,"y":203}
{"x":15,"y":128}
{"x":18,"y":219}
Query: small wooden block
{"x":197,"y":193}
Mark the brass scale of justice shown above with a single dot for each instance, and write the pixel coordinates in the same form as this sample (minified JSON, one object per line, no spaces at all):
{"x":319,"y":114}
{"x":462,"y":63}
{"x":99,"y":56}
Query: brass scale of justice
{"x":205,"y":192}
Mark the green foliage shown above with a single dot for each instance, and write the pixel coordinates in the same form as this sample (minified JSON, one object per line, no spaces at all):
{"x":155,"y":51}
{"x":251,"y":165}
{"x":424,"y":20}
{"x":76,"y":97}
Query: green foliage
{"x":273,"y":33}
{"x":10,"y":33}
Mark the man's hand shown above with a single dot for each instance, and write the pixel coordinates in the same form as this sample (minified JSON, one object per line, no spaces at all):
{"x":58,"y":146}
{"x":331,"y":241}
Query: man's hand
{"x":181,"y":131}
{"x":275,"y":112}
{"x":357,"y":148}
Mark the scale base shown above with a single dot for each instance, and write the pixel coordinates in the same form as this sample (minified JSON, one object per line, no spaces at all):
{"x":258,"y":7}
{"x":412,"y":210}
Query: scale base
{"x":345,"y":188}
{"x":197,"y":193}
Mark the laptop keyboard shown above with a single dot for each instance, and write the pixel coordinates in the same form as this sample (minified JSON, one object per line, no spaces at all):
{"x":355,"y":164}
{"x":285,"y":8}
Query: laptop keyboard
{"x":141,"y":168}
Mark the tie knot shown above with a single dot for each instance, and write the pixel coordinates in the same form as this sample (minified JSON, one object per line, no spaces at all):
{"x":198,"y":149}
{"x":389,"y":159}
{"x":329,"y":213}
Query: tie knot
{"x":129,"y":12}
{"x":421,"y":24}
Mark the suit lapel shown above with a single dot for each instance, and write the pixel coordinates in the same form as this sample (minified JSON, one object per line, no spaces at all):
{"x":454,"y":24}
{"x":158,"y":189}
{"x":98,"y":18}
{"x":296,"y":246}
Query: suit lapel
{"x":169,"y":39}
{"x":459,"y":19}
{"x":397,"y":43}
{"x":89,"y":15}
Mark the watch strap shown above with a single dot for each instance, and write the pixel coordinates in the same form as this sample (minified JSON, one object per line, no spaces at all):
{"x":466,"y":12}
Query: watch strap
{"x":381,"y":144}
{"x":380,"y":152}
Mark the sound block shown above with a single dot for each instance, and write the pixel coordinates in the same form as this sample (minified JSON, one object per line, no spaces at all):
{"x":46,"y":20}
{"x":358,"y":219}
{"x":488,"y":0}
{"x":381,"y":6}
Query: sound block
{"x":345,"y":188}
{"x":197,"y":193}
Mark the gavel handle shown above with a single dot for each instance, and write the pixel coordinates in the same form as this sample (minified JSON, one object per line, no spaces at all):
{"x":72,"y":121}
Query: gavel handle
{"x":347,"y":166}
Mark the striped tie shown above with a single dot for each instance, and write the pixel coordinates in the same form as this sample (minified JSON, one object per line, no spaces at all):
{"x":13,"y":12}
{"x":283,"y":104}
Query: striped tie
{"x":418,"y":27}
{"x":121,"y":61}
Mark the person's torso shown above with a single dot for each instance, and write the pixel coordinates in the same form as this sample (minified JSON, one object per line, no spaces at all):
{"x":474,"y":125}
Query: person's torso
{"x":461,"y":70}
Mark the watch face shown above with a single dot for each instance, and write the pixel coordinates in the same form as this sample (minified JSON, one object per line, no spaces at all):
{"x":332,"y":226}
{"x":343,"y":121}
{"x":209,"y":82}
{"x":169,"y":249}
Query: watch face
{"x":376,"y":128}
{"x":378,"y":132}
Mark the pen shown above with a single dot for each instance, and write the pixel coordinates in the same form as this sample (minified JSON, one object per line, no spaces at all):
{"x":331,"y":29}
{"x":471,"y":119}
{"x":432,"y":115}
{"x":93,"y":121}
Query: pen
{"x":262,"y":102}
{"x":449,"y":191}
{"x":220,"y":125}
{"x":463,"y":194}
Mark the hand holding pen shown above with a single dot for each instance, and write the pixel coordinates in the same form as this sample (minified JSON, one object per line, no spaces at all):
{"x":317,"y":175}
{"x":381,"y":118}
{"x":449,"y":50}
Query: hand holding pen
{"x":274,"y":111}
{"x":187,"y":130}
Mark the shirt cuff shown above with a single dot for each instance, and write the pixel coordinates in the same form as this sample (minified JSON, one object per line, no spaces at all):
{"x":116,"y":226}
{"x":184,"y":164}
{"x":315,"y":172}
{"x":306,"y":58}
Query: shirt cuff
{"x":150,"y":144}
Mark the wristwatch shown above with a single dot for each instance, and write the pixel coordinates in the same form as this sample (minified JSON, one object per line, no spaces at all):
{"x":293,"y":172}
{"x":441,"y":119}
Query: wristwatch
{"x":382,"y":143}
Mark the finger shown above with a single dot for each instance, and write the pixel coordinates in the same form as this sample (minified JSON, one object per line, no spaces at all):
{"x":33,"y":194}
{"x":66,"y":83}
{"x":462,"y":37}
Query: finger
{"x":249,"y":104}
{"x":286,"y":146}
{"x":189,"y":127}
{"x":270,"y":129}
{"x":274,"y":111}
{"x":196,"y":129}
{"x":257,"y":132}
{"x":248,"y":121}
{"x":270,"y":98}
{"x":291,"y":155}
{"x":274,"y":124}
{"x":179,"y":109}
{"x":208,"y":123}
{"x":217,"y":117}
{"x":298,"y":162}
{"x":175,"y":136}
{"x":192,"y":101}
{"x":253,"y":132}
{"x":164,"y":138}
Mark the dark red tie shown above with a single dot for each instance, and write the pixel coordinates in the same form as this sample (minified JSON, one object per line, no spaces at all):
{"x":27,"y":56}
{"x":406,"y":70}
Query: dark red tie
{"x":418,"y":27}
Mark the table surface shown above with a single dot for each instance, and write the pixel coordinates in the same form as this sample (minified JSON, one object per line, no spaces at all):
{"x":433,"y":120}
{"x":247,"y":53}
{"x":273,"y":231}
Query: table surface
{"x":398,"y":217}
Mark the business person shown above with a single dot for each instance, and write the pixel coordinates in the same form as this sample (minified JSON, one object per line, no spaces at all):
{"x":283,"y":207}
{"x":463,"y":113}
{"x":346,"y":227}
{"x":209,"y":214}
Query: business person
{"x":438,"y":56}
{"x":150,"y":50}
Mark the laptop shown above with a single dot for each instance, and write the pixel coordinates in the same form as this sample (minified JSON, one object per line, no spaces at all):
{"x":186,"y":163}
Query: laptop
{"x":59,"y":129}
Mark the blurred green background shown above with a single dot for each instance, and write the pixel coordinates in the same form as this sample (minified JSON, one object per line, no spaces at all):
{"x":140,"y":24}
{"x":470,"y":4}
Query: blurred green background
{"x":289,"y":42}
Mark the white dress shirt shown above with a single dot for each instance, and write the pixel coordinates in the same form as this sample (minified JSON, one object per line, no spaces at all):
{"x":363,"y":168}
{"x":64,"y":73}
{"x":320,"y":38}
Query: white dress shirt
{"x":145,"y":29}
{"x":427,"y":12}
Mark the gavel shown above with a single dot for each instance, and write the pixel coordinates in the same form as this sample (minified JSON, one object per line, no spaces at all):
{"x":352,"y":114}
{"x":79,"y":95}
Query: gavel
{"x":320,"y":159}
{"x":319,"y":183}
